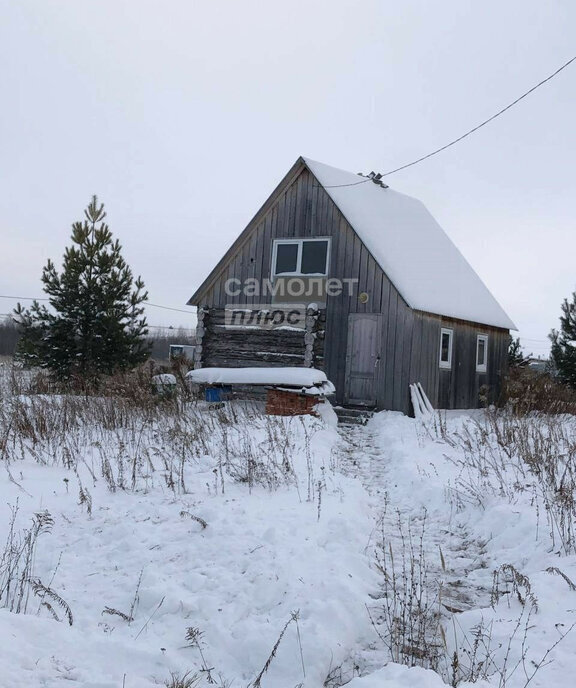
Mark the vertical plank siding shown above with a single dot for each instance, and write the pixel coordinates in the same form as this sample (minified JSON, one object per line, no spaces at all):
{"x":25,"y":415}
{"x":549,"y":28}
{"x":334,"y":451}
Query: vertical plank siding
{"x":410,"y":340}
{"x":461,"y":387}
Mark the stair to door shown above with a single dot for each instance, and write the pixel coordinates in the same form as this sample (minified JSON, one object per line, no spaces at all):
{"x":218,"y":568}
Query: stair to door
{"x":353,"y":415}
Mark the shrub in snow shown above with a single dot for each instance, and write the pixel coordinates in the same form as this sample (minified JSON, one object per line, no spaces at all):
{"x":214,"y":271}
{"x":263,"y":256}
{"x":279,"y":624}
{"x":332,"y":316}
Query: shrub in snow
{"x":526,"y":390}
{"x":164,"y":384}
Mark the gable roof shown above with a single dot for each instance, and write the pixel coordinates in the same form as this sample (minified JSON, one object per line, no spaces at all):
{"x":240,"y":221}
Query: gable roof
{"x":413,"y":250}
{"x":405,"y":240}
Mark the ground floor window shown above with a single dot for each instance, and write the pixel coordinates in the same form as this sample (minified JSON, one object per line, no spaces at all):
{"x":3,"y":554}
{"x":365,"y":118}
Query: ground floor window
{"x":446,"y":338}
{"x":482,"y":353}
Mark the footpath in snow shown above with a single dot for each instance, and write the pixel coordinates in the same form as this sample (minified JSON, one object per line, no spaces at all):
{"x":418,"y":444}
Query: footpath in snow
{"x":473,"y":555}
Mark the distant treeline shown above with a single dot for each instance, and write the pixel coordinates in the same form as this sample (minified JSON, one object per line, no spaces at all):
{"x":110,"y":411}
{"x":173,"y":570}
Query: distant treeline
{"x":159,"y":339}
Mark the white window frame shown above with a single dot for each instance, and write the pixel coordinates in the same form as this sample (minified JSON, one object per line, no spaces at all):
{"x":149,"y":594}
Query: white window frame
{"x":447,"y":365}
{"x":300,"y":243}
{"x":482,"y":367}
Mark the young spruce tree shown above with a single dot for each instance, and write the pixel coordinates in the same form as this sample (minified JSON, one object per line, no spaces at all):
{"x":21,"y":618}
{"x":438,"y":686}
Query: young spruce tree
{"x":96,"y":322}
{"x":564,"y":343}
{"x":516,"y":358}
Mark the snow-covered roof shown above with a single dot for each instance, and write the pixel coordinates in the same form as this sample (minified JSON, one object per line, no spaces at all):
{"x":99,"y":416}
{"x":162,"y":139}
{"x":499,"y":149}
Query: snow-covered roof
{"x":413,"y":250}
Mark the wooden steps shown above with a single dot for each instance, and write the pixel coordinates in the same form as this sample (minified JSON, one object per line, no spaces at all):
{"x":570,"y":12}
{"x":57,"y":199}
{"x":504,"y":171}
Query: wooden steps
{"x":353,"y":415}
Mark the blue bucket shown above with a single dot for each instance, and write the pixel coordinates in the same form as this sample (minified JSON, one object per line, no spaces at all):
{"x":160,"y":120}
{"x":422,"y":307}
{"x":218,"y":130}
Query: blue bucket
{"x":213,"y":394}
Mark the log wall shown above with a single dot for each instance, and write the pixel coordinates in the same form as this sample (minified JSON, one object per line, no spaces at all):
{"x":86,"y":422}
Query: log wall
{"x":220,"y":345}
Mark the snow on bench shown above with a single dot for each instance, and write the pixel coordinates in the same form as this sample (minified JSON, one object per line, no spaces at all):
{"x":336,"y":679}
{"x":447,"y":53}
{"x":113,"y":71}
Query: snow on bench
{"x":306,"y":380}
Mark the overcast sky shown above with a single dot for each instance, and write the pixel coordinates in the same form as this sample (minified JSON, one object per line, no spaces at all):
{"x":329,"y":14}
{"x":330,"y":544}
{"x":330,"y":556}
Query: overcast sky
{"x":183,"y":116}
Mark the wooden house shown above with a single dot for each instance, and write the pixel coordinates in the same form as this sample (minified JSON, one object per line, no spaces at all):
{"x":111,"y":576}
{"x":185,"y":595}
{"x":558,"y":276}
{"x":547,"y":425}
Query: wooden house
{"x":339,"y":272}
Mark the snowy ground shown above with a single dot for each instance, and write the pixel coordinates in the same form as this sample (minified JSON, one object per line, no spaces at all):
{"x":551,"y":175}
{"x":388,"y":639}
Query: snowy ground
{"x":219,"y":535}
{"x":465,"y":504}
{"x":263,"y":555}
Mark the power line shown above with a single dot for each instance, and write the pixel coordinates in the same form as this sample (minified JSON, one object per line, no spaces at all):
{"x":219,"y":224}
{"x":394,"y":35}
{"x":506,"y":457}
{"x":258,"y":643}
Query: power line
{"x":486,"y":121}
{"x":146,"y":303}
{"x":23,"y":298}
{"x":172,"y":328}
{"x":167,"y":308}
{"x":468,"y":133}
{"x":339,"y":186}
{"x":168,"y":328}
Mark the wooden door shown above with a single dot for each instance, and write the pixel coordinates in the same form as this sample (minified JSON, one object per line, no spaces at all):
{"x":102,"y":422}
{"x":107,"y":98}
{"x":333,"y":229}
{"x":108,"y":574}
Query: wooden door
{"x":362,"y":358}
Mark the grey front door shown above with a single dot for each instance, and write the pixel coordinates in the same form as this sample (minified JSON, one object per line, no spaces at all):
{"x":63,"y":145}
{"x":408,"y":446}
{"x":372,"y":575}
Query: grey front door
{"x":362,"y":358}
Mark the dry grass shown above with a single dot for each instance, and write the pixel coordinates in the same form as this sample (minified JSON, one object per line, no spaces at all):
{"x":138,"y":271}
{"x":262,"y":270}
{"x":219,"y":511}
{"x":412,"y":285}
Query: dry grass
{"x":526,"y":390}
{"x":411,"y":619}
{"x":187,"y":680}
{"x":17,"y":579}
{"x":515,"y":453}
{"x":128,"y":439}
{"x":408,"y":615}
{"x":136,"y":439}
{"x":509,"y":455}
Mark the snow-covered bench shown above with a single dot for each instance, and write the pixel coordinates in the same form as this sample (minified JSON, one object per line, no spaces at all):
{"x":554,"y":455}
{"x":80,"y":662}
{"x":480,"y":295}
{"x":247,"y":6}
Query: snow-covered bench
{"x":290,"y":390}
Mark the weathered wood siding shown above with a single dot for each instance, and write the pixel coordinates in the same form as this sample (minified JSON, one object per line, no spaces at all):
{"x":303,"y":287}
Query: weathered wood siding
{"x":225,"y":346}
{"x":410,"y":340}
{"x":462,"y":386}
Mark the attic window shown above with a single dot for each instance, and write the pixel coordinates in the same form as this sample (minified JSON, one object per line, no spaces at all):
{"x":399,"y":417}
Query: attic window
{"x":446,"y":337}
{"x":482,"y":353}
{"x":300,"y":257}
{"x":286,"y":258}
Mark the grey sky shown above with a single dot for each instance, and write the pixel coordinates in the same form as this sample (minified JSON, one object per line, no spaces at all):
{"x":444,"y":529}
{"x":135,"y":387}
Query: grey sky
{"x":183,"y":116}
